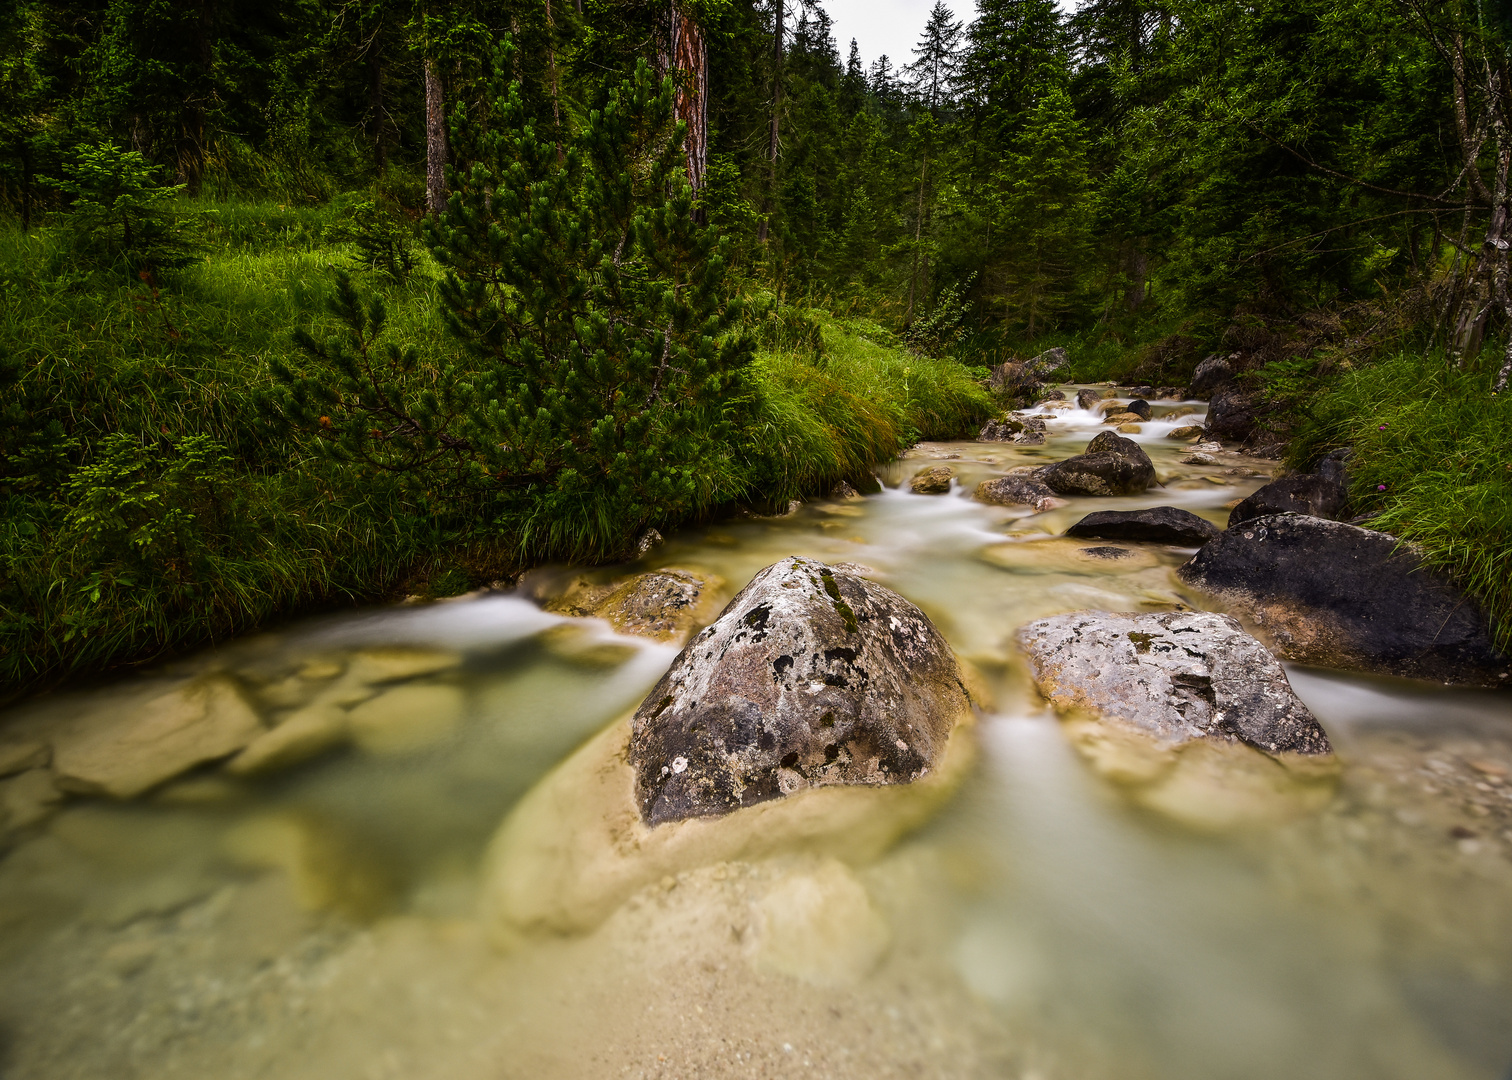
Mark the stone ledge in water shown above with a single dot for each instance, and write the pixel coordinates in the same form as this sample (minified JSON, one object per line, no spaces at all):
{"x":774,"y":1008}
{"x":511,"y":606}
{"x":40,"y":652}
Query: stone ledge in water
{"x":1157,"y":525}
{"x":666,"y":605}
{"x":1339,"y":596}
{"x":1323,"y":494}
{"x":108,"y":753}
{"x":810,"y":678}
{"x":1187,"y":712}
{"x":1018,"y":491}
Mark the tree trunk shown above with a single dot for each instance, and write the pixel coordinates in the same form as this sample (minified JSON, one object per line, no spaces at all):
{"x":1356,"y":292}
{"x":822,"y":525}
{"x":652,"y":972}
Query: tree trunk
{"x":435,"y":140}
{"x":1139,"y":269}
{"x":191,"y":148}
{"x":375,"y":104}
{"x":551,"y":67}
{"x":774,"y":143}
{"x":690,"y":56}
{"x":913,"y":275}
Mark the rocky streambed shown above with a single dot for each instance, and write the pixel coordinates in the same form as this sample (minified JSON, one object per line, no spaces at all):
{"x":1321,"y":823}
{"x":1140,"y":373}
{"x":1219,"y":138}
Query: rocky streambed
{"x":1001,"y":772}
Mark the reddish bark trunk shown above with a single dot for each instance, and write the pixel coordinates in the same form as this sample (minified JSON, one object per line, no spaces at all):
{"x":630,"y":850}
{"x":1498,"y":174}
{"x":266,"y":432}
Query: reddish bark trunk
{"x":435,"y":140}
{"x":689,"y":55}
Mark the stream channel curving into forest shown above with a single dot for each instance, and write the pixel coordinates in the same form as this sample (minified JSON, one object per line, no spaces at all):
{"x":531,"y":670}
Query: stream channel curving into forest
{"x":320,"y":922}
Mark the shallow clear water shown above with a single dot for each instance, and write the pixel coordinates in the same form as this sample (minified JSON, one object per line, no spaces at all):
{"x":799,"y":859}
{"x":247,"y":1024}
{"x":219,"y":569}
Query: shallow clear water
{"x":321,"y":922}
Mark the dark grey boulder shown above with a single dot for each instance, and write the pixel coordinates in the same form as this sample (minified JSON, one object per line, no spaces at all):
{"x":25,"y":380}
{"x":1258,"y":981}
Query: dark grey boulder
{"x":1323,"y":494}
{"x":1049,"y":395}
{"x":1212,"y":373}
{"x":1111,"y":465}
{"x":1088,"y":399}
{"x":810,"y":677}
{"x":1157,"y":525}
{"x":1139,"y":407}
{"x":1231,"y":415}
{"x":1017,"y":491}
{"x":1175,"y":676}
{"x":1338,"y":596}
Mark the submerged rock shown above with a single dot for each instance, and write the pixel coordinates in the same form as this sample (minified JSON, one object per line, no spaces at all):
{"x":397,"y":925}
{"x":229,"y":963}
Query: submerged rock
{"x":1338,"y":596}
{"x":1157,"y":525}
{"x":22,"y":755}
{"x":1191,"y":431}
{"x":666,"y":604}
{"x":1185,"y":708}
{"x":123,"y":755}
{"x":1017,"y":491}
{"x":1111,"y":465}
{"x":1323,"y":494}
{"x":820,"y":712}
{"x":935,"y":481}
{"x":1139,"y":407}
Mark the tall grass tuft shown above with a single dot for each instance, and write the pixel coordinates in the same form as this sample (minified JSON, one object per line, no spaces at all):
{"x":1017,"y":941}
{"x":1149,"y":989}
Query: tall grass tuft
{"x":1433,"y":462}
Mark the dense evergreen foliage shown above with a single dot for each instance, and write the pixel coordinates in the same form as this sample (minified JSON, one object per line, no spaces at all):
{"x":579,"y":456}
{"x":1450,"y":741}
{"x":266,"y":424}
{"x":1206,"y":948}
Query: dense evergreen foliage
{"x":557,"y":271}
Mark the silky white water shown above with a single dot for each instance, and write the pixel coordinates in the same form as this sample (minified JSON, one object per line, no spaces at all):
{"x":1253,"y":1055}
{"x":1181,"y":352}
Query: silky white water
{"x":321,"y":922}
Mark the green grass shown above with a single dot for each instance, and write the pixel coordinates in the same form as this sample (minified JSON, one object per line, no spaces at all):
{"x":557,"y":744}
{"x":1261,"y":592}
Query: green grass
{"x":1433,"y":461}
{"x":100,"y":568}
{"x":860,"y":402}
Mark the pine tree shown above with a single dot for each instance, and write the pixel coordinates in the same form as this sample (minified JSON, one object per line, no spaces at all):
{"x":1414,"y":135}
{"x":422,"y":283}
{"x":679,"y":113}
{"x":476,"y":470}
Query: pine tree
{"x":936,"y":67}
{"x":598,"y":315}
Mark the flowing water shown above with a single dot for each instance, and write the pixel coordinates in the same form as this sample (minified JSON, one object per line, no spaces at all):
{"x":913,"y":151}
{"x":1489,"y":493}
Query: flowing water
{"x":321,"y":922}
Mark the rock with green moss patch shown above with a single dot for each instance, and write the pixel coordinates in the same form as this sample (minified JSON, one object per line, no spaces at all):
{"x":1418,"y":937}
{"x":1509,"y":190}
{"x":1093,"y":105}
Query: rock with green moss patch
{"x":810,"y":678}
{"x":935,"y":481}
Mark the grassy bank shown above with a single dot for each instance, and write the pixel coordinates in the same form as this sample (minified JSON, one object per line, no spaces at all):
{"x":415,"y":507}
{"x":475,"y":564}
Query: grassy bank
{"x":1432,"y":461}
{"x":148,"y":505}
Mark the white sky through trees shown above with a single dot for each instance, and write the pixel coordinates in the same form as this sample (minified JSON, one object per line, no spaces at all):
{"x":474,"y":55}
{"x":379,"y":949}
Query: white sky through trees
{"x":888,"y":26}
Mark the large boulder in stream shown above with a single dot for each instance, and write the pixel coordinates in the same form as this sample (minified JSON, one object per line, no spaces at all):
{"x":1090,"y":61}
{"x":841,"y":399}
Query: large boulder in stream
{"x":1339,"y":596}
{"x":1111,"y":465}
{"x":1186,"y":709}
{"x":1323,"y":494}
{"x":821,"y":712}
{"x":1157,"y":525}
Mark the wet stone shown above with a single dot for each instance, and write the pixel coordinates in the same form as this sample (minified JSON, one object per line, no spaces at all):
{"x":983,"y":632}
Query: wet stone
{"x":1175,"y":676}
{"x":935,"y":481}
{"x":810,"y":678}
{"x":1157,"y":525}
